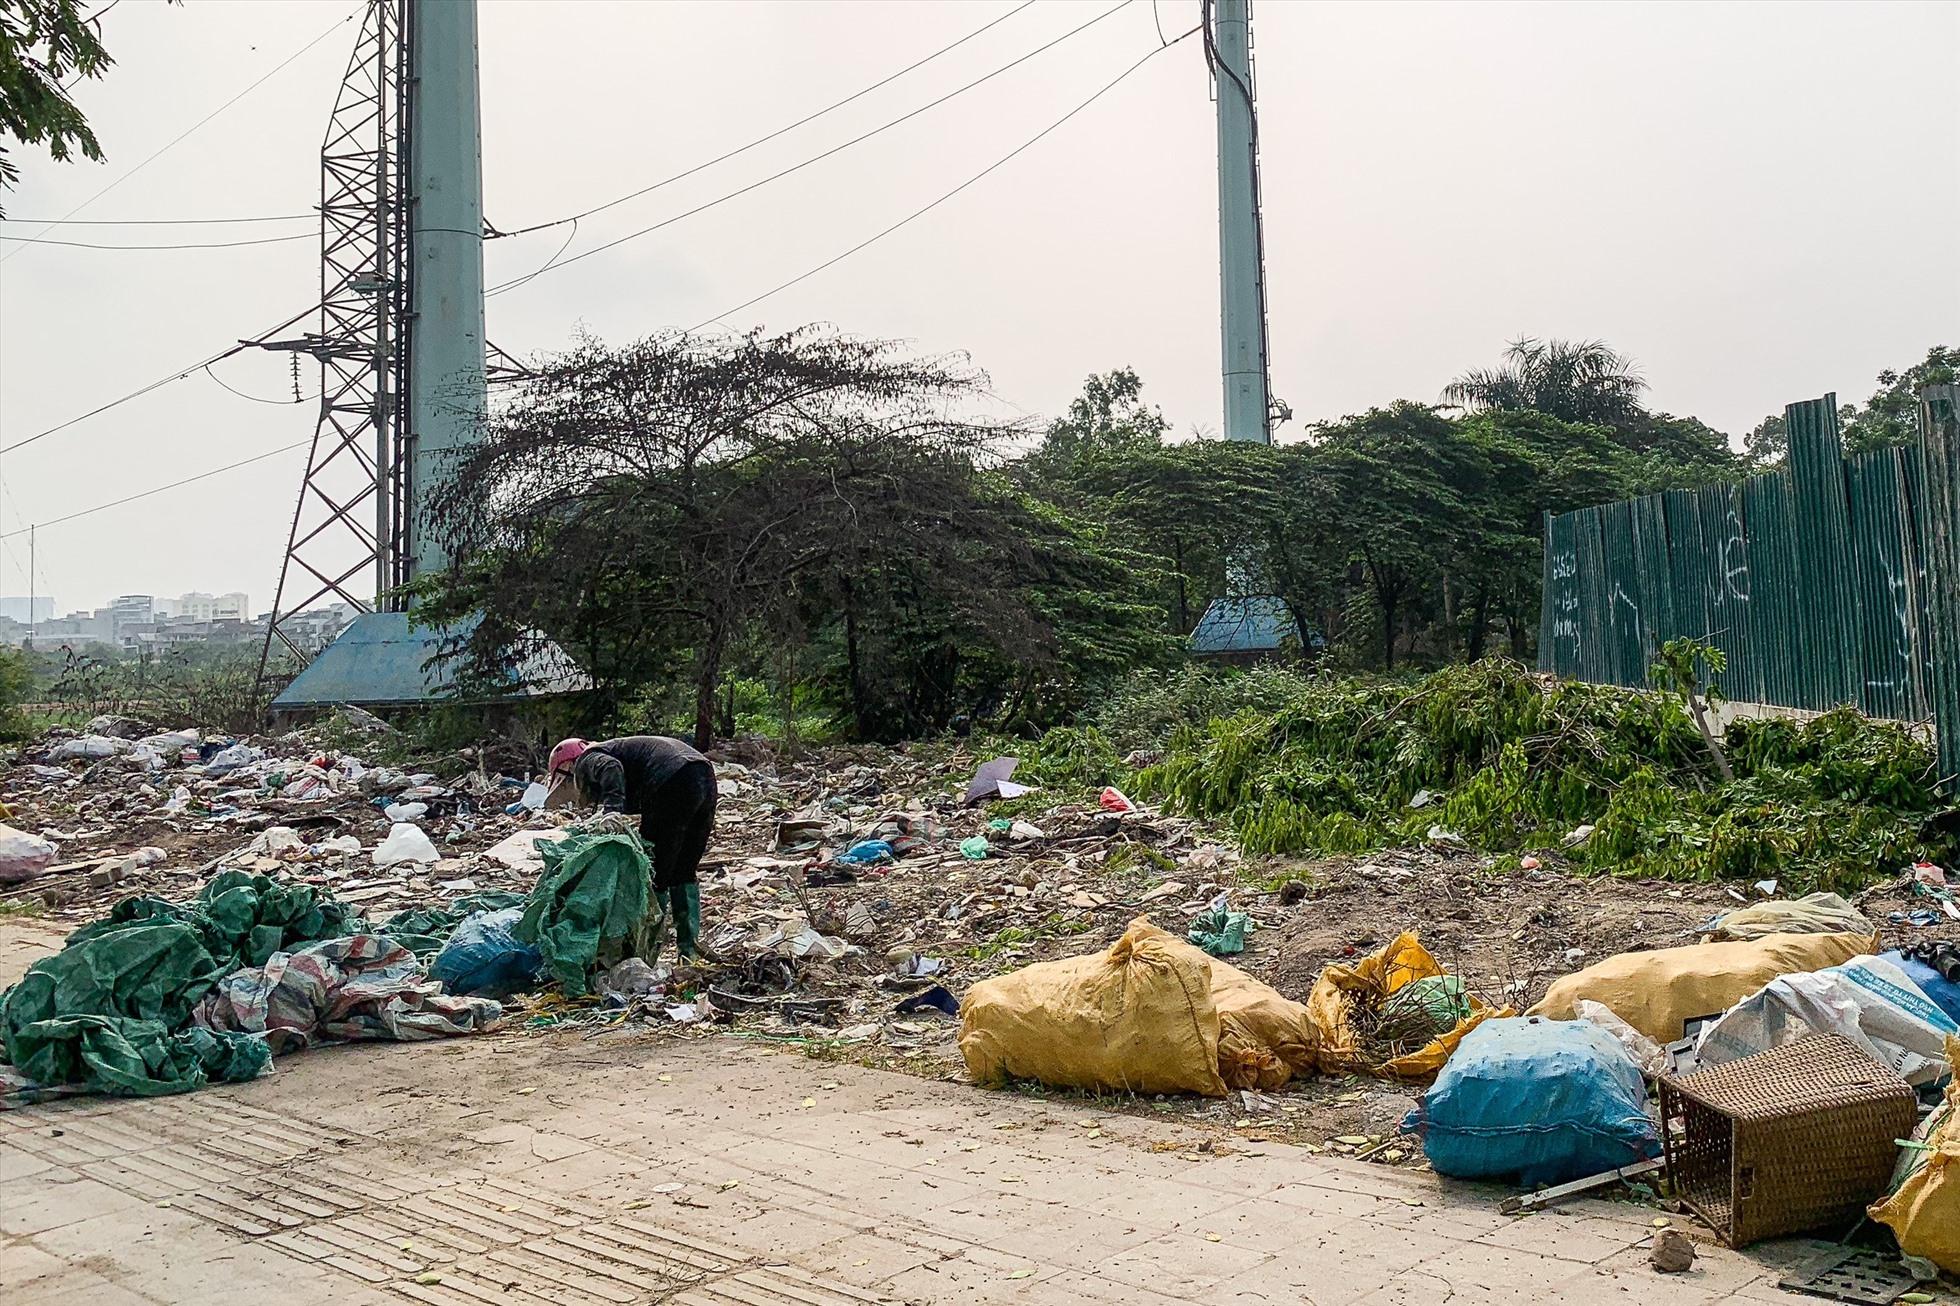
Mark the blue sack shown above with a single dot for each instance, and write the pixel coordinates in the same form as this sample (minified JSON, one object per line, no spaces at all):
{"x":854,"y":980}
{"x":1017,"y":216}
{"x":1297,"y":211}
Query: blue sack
{"x":1945,"y":994}
{"x":1542,"y":1101}
{"x":482,"y":957}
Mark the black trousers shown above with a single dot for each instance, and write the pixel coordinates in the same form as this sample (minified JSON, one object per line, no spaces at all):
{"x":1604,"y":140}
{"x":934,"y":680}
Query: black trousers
{"x":676,"y":820}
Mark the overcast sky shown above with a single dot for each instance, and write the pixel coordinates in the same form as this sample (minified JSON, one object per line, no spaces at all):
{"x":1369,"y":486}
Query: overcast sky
{"x":1756,"y":201}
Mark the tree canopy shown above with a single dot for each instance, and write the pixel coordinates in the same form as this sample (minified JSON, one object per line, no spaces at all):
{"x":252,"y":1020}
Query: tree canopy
{"x":45,"y":47}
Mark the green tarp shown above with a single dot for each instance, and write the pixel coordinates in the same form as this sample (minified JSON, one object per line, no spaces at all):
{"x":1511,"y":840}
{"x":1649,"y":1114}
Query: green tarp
{"x":242,"y":918}
{"x":424,"y":930}
{"x":593,"y":906}
{"x":109,"y":1012}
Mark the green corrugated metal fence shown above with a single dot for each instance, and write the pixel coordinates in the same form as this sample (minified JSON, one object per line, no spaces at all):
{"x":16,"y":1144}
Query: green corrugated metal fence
{"x":1831,"y":580}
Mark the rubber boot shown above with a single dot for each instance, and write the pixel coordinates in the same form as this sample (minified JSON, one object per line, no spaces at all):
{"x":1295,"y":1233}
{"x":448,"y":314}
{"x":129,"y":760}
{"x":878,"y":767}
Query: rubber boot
{"x":685,"y":903}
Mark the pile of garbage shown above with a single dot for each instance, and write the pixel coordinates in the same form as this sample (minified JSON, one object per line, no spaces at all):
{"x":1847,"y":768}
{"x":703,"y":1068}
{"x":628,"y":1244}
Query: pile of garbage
{"x":1784,"y":1048}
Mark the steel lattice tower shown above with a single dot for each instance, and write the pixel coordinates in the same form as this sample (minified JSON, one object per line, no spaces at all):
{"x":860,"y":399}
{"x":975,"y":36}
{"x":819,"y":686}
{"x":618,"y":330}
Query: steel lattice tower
{"x":349,"y":524}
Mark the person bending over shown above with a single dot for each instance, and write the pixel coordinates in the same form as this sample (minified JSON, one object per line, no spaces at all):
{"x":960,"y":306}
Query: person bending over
{"x":671,"y":788}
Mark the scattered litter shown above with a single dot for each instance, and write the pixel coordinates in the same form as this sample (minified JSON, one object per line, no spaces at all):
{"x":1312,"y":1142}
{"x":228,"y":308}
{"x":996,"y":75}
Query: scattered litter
{"x":405,"y":843}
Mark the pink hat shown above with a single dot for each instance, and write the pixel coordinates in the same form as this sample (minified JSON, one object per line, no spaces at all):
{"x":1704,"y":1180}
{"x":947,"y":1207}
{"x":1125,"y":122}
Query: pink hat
{"x":567,"y":752}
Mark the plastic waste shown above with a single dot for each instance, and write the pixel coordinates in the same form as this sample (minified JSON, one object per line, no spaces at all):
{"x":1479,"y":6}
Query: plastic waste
{"x":22,"y":855}
{"x":867,"y":853}
{"x":405,"y":811}
{"x":275,"y":841}
{"x":405,"y":843}
{"x":633,"y":978}
{"x":990,"y":781}
{"x":1653,"y":1059}
{"x":1541,"y":1101}
{"x":1817,"y":913}
{"x":146,"y":757}
{"x":231,"y":759}
{"x":1221,"y":931}
{"x":180,"y":798}
{"x":1944,"y":992}
{"x":89,"y":748}
{"x":1869,"y":1001}
{"x":974,"y":849}
{"x":172,"y":742}
{"x":483,"y":958}
{"x":1115,"y":800}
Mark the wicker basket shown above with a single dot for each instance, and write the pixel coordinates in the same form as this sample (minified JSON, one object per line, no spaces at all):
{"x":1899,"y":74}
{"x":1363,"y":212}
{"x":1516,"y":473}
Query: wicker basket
{"x":1790,"y":1140}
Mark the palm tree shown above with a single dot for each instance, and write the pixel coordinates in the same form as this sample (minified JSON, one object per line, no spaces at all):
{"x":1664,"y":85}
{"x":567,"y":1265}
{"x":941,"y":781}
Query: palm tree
{"x":1576,"y":381}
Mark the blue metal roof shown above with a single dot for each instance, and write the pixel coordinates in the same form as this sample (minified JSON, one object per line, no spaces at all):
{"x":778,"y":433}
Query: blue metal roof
{"x":380,"y":660}
{"x":1255,"y":624}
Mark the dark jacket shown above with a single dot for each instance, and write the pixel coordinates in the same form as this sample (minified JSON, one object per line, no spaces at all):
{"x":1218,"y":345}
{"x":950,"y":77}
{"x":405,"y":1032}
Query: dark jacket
{"x":620,"y":775}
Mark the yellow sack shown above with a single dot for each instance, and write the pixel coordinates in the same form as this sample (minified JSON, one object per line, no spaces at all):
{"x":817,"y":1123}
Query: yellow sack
{"x":1816,"y":913}
{"x":1924,"y":1209}
{"x":1330,"y":1007}
{"x":1138,"y":1017}
{"x":1264,"y":1039}
{"x":1658,"y":992}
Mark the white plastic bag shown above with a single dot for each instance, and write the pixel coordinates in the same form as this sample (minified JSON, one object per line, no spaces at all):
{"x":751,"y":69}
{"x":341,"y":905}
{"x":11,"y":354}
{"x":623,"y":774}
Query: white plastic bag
{"x":170,"y":743}
{"x":1651,"y":1057}
{"x":277,"y":841}
{"x":22,"y":855}
{"x":88,"y":748}
{"x":405,"y":811}
{"x":1868,"y":1000}
{"x":231,"y":759}
{"x":405,"y":843}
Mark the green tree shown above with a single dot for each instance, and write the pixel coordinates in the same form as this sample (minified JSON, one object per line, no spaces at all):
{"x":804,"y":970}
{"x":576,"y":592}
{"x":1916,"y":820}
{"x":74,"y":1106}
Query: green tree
{"x":46,"y":46}
{"x":809,"y":503}
{"x":1575,"y":381}
{"x":1766,"y":444}
{"x":1109,"y":415}
{"x":1891,"y":416}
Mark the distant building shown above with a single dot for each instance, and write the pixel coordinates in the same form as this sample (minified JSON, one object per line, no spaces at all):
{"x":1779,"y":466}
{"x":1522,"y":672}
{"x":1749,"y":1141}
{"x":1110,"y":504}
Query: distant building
{"x":37,"y":609}
{"x":75,"y":628}
{"x":132,"y":610}
{"x":199,"y":606}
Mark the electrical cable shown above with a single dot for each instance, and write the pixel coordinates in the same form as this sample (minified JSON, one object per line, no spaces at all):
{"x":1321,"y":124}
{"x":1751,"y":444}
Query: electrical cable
{"x":162,"y":381}
{"x":209,"y":244}
{"x":156,"y":222}
{"x":548,"y":263}
{"x":282,"y":403}
{"x":194,"y":126}
{"x":818,"y":158}
{"x":921,"y":212}
{"x":763,"y":140}
{"x":161,"y":489}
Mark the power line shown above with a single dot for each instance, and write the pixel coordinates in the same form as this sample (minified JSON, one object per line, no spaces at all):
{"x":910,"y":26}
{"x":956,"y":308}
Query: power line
{"x":223,"y":385}
{"x":763,"y":140}
{"x":161,"y":489}
{"x":209,"y":244}
{"x":193,"y":127}
{"x":160,"y":382}
{"x":156,"y":222}
{"x":921,"y":212}
{"x":835,"y":149}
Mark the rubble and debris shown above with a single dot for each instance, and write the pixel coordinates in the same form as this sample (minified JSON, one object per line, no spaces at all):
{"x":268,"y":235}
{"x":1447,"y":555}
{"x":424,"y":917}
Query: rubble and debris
{"x":1673,"y":1252}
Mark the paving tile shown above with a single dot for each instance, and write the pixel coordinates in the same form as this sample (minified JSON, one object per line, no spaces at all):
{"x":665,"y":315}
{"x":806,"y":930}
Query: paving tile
{"x":1573,"y":1239}
{"x":1180,"y":1264}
